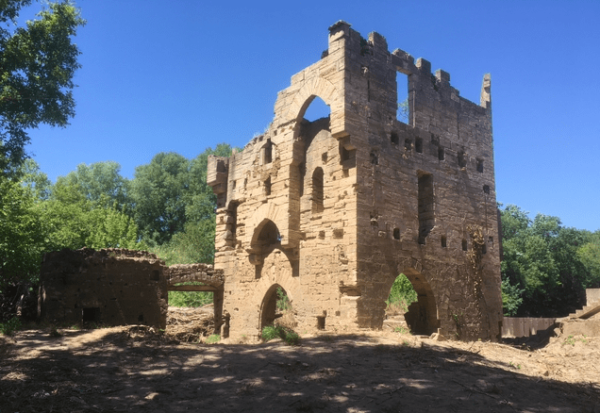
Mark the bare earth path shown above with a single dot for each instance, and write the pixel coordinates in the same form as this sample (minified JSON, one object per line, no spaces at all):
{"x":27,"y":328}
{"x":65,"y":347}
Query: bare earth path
{"x":125,"y":369}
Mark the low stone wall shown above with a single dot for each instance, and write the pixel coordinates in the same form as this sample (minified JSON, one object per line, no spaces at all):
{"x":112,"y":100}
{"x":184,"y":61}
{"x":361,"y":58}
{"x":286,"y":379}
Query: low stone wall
{"x":514,"y":327}
{"x":108,"y":287}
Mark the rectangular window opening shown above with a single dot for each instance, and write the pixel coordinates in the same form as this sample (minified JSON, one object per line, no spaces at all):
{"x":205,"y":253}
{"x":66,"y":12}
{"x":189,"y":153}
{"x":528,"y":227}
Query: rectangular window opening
{"x":408,"y":144}
{"x":419,"y":145}
{"x":480,"y":165}
{"x":444,"y":241}
{"x":441,"y":154}
{"x":425,"y":206}
{"x":464,"y":244}
{"x":396,"y":233}
{"x":268,"y":186}
{"x":403,"y":112}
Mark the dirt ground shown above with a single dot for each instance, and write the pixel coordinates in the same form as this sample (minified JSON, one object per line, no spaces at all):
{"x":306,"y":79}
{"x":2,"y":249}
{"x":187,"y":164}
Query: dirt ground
{"x":134,"y":368}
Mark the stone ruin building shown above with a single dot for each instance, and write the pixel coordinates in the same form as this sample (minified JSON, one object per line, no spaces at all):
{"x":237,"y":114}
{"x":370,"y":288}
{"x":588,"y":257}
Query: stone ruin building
{"x":116,"y":287}
{"x":332,"y":211}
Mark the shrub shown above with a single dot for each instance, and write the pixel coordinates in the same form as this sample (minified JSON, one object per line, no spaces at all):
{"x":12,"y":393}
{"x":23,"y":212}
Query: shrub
{"x":292,"y":339}
{"x":402,"y":293}
{"x":272,"y":332}
{"x":289,"y":336}
{"x":213,"y":339}
{"x":10,"y":327}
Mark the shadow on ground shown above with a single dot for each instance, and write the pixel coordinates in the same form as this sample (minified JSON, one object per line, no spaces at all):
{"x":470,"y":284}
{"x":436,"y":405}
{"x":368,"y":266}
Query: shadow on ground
{"x":119,"y":370}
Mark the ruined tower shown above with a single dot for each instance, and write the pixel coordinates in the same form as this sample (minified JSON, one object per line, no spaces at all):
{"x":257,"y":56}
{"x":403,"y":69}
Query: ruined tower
{"x":332,"y":211}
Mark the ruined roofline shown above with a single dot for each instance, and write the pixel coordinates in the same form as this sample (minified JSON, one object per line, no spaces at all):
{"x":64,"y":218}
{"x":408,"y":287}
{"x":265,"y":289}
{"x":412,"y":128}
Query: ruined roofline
{"x":405,"y":63}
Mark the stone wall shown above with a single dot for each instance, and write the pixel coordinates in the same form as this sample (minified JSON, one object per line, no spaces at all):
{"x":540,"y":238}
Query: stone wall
{"x":117,"y":287}
{"x":108,"y":287}
{"x":333,"y":210}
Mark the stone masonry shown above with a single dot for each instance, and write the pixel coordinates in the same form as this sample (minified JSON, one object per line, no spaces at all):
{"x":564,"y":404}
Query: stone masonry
{"x":117,"y":287}
{"x":332,"y":211}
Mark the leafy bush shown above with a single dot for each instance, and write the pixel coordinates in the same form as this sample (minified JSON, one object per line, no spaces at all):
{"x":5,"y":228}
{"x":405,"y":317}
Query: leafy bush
{"x":402,"y":293}
{"x":283,"y":302}
{"x":289,"y":336}
{"x":10,"y":327}
{"x":272,"y":332}
{"x":292,"y":339}
{"x":190,"y":298}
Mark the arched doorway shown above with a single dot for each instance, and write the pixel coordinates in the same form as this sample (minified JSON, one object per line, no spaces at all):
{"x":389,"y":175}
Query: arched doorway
{"x":421,"y":315}
{"x":276,"y":308}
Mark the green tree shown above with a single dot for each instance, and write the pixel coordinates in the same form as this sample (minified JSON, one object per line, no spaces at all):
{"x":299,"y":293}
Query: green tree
{"x":171,"y":191}
{"x":100,"y":182}
{"x":37,"y":65}
{"x":545,"y":267}
{"x":21,"y":234}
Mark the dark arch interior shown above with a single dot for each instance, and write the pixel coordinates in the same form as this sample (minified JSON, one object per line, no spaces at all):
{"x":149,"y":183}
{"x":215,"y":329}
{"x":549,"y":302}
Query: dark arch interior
{"x":422,"y":315}
{"x":268,"y":235}
{"x":275,"y":305}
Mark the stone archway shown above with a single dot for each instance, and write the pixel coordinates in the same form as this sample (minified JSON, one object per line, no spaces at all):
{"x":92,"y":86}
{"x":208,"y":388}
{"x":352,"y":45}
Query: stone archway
{"x":422,"y":316}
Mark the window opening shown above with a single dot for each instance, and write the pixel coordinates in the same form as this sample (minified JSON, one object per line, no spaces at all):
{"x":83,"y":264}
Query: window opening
{"x":408,"y":144}
{"x":479,"y":165}
{"x":396,"y":233}
{"x":486,"y":189}
{"x":268,"y":186}
{"x":317,"y":190}
{"x":441,"y":154}
{"x":317,"y":109}
{"x":374,"y":158}
{"x":425,"y":206}
{"x":233,"y":225}
{"x":394,"y":138}
{"x":464,"y":244}
{"x":268,"y":152}
{"x":321,"y":322}
{"x":419,"y":145}
{"x":403,"y":112}
{"x":443,"y":241}
{"x":483,"y":249}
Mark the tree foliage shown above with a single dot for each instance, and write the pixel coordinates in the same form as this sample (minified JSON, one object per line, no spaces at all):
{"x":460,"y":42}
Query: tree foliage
{"x":171,"y":191}
{"x":546,"y":267}
{"x":37,"y":65}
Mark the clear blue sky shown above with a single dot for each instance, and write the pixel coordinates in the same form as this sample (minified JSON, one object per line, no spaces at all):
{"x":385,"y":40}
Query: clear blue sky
{"x":185,"y":75}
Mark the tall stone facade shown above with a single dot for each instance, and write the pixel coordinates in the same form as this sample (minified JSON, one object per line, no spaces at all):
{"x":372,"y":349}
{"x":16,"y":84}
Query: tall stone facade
{"x":332,"y":211}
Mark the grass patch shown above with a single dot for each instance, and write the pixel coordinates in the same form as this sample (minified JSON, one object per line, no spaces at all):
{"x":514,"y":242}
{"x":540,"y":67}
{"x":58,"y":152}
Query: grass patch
{"x":213,"y":339}
{"x":287,"y":335}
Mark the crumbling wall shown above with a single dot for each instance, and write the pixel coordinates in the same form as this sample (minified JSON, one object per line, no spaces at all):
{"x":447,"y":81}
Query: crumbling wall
{"x":333,"y":210}
{"x":108,"y":287}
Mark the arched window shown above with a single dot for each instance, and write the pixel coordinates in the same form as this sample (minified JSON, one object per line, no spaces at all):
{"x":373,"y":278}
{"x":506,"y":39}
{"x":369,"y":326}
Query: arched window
{"x":317,"y":190}
{"x":267,"y":152}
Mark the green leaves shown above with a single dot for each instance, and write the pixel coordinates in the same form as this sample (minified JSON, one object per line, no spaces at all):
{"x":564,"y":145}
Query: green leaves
{"x":545,"y":268}
{"x":37,"y":65}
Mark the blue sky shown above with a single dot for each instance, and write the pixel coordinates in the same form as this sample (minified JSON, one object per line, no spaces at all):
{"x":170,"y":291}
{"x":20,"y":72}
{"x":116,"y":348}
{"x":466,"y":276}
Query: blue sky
{"x":185,"y":75}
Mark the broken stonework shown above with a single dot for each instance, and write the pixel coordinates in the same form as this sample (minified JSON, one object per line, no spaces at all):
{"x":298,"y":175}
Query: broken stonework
{"x":117,"y":287}
{"x":333,"y":210}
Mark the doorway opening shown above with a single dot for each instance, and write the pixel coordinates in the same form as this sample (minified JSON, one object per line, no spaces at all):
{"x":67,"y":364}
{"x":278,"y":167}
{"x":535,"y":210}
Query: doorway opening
{"x":276,"y":309}
{"x":411,"y":304}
